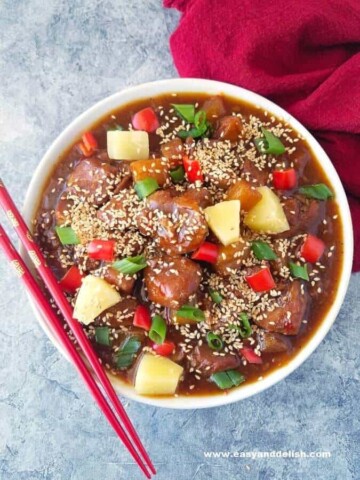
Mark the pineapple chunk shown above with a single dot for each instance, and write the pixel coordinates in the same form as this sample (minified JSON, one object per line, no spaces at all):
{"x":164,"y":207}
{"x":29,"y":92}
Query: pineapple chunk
{"x":224,"y":220}
{"x":268,"y":215}
{"x":127,"y":145}
{"x":95,"y":296}
{"x":157,"y":375}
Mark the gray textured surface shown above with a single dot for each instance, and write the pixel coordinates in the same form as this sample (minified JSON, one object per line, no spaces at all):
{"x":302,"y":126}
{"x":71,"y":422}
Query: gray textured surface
{"x":57,"y":59}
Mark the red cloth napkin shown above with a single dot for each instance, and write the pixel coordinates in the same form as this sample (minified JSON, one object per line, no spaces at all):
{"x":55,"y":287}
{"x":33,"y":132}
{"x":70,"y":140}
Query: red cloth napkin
{"x":302,"y":54}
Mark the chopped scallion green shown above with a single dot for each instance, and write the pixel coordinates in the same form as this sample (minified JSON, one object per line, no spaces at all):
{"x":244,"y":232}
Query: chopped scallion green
{"x":126,"y":354}
{"x":67,"y":236}
{"x":191,"y":313}
{"x":262,"y":251}
{"x":269,"y":143}
{"x":130,"y":265}
{"x":214,"y":341}
{"x":102,"y":335}
{"x":215,"y":296}
{"x":146,"y":187}
{"x":227,"y":379}
{"x":157,"y":331}
{"x":299,"y":271}
{"x":185,"y":111}
{"x":318,"y":191}
{"x":177,"y":175}
{"x":244,"y":329}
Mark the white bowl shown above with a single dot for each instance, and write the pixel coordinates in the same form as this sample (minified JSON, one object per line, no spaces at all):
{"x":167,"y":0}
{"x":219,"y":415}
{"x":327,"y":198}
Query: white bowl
{"x":147,"y":90}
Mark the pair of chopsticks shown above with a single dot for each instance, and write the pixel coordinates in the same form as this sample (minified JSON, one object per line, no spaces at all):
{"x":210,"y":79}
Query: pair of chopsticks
{"x":111,"y":406}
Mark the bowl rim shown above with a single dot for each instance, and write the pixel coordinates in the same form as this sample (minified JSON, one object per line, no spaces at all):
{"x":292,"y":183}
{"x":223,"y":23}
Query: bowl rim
{"x":211,"y":87}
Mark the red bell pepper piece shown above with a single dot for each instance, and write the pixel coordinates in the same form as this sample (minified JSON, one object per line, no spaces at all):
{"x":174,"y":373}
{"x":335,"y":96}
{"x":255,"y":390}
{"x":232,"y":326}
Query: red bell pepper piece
{"x":192,"y":169}
{"x":89,"y":141}
{"x":312,"y":249}
{"x":88,"y":144}
{"x":284,"y":179}
{"x":72,"y":279}
{"x":261,"y":281}
{"x":142,"y":318}
{"x":249,"y":355}
{"x":165,"y":349}
{"x":207,"y":252}
{"x":146,"y":120}
{"x":101,"y":250}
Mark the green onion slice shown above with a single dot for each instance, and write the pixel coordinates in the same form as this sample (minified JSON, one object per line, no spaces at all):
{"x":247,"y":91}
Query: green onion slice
{"x":227,"y":379}
{"x":102,"y":335}
{"x":177,"y":175}
{"x":67,"y":236}
{"x":126,"y":354}
{"x":299,"y":271}
{"x":146,"y":187}
{"x":190,"y":312}
{"x":130,"y":265}
{"x":215,"y":296}
{"x":157,"y":331}
{"x":269,"y":143}
{"x":262,"y":251}
{"x":185,"y":111}
{"x":244,"y":329}
{"x":201,"y":127}
{"x":319,"y":191}
{"x":214,"y":341}
{"x":115,"y":126}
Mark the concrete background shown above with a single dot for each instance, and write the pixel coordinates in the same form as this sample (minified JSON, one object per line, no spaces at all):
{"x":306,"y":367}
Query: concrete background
{"x":58,"y":57}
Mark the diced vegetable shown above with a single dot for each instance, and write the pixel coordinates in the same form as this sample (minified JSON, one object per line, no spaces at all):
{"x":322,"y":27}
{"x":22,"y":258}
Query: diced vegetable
{"x":178,"y":175}
{"x":251,"y":357}
{"x":157,"y":331}
{"x":157,"y":375}
{"x":299,"y":271}
{"x":165,"y":349}
{"x":146,"y":187}
{"x":185,"y":111}
{"x":95,"y":296}
{"x":102,"y":335}
{"x":214,"y":107}
{"x":284,"y":179}
{"x":192,"y":169}
{"x":227,"y":379}
{"x":191,"y":313}
{"x":215,"y":296}
{"x":207,"y":252}
{"x":261,"y":281}
{"x":145,"y":120}
{"x":312,"y":249}
{"x":89,"y":141}
{"x":67,"y":236}
{"x":201,"y":127}
{"x":244,"y":329}
{"x":248,"y":195}
{"x":152,"y":168}
{"x":72,"y":279}
{"x":84,"y":150}
{"x":101,"y":250}
{"x":123,"y":145}
{"x":142,"y":318}
{"x":319,"y":191}
{"x":224,"y":220}
{"x":268,"y":215}
{"x":130,"y":265}
{"x":269,"y":143}
{"x":126,"y":354}
{"x":172,"y":151}
{"x":263,"y":251}
{"x":214,"y":341}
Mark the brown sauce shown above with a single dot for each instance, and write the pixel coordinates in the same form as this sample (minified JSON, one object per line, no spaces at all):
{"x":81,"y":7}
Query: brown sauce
{"x":329,"y":229}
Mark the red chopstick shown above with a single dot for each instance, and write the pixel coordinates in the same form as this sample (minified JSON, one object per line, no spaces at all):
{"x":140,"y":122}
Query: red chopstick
{"x":50,"y":281}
